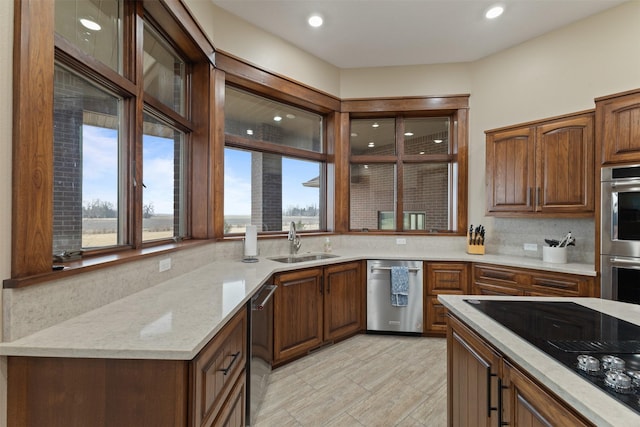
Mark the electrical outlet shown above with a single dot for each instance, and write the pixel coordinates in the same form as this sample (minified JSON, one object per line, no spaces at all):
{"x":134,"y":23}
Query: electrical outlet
{"x":165,"y":264}
{"x":401,"y":241}
{"x":531,"y":247}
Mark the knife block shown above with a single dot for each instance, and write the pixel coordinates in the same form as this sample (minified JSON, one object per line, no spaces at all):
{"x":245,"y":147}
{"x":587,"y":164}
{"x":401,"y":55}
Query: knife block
{"x":475,"y":249}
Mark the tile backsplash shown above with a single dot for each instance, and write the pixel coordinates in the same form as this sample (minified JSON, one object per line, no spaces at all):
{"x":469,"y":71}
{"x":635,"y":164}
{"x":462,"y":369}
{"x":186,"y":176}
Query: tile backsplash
{"x":509,"y":235}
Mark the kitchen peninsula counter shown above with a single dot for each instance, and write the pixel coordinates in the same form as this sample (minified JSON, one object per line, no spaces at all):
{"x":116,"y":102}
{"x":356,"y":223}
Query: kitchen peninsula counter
{"x":592,"y":403}
{"x":175,"y":319}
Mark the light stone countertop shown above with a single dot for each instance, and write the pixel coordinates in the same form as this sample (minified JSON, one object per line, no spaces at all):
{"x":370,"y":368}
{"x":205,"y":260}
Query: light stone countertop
{"x":176,"y":318}
{"x":589,"y":400}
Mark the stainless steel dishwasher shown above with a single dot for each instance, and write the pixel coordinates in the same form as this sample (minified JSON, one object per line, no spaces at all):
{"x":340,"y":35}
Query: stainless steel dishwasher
{"x":261,"y":348}
{"x":382,"y":316}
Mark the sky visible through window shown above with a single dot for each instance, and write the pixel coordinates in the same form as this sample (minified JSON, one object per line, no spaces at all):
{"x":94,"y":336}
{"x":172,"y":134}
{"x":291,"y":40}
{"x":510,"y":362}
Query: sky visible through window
{"x":100,"y":169}
{"x":237,"y":182}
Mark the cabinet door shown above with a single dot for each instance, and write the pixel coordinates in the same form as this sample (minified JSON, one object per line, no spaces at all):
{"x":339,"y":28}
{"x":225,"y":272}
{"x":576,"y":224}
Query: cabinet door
{"x":297,"y":307}
{"x":528,"y":405}
{"x":435,"y":315}
{"x":619,"y":128}
{"x":447,"y":278}
{"x":510,"y":170}
{"x":565,"y":153}
{"x":342,"y":300}
{"x":472,"y":378}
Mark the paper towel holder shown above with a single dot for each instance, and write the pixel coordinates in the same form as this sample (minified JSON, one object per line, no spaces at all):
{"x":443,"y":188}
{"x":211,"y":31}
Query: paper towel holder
{"x":248,"y":258}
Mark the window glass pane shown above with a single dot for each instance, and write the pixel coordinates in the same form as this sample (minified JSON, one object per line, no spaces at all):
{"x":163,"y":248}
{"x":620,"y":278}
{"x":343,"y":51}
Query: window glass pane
{"x":373,"y":196}
{"x":163,"y":181}
{"x":429,"y":135}
{"x":94,"y":27}
{"x":270,"y":191}
{"x":373,"y":137}
{"x":164,"y":71}
{"x":86,"y":201}
{"x":254,"y":117}
{"x":426,"y":196}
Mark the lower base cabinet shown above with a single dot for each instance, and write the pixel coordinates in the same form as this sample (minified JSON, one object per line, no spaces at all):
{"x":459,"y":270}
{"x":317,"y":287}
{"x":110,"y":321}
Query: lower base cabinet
{"x":486,"y":389}
{"x":315,"y":306}
{"x":78,"y":392}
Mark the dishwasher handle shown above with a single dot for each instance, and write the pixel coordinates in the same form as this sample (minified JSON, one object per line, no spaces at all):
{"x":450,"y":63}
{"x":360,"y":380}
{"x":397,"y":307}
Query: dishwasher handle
{"x":411,"y":269}
{"x":260,"y":306}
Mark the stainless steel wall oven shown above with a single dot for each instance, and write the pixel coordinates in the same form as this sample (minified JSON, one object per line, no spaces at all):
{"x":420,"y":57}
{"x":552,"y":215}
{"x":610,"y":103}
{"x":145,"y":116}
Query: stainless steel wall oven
{"x":620,"y":233}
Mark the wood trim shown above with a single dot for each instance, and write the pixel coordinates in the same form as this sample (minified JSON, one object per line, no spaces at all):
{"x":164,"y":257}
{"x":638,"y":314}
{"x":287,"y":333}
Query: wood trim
{"x":272,"y":85}
{"x":32,"y":186}
{"x":342,"y":173}
{"x":461,"y":150}
{"x":405,"y":104}
{"x":216,"y":161}
{"x":269,"y":147}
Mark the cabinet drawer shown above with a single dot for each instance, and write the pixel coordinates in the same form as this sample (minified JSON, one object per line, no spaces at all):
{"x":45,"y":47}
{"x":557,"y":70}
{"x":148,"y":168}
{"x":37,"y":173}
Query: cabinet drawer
{"x":216,"y":368}
{"x":447,"y":278}
{"x":232,"y":413}
{"x":561,"y":285}
{"x":499,"y":276}
{"x":436,"y":315}
{"x":480,"y":288}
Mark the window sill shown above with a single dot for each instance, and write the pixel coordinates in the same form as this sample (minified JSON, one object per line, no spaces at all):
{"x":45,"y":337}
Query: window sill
{"x":98,"y":262}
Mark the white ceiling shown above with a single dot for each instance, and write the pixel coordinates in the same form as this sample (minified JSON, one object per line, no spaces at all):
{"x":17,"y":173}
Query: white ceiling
{"x":374,"y":33}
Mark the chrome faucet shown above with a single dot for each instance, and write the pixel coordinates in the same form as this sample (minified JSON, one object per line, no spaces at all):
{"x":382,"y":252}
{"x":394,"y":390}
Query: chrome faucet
{"x":294,"y":240}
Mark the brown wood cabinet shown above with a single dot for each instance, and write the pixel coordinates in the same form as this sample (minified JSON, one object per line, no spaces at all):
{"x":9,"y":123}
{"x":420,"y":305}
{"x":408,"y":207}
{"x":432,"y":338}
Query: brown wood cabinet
{"x":68,"y":392}
{"x":486,"y":389}
{"x":498,"y":280}
{"x":542,"y":168}
{"x":442,"y":278}
{"x":618,"y":127}
{"x":315,"y":306}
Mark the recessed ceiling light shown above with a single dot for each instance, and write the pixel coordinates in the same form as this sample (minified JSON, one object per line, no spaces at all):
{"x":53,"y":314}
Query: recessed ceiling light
{"x":277,"y":118}
{"x":408,"y":134}
{"x":375,"y":125}
{"x":366,"y":166}
{"x":371,"y":144}
{"x":494,"y":12}
{"x":315,"y":21}
{"x":249,"y":131}
{"x":437,"y":141}
{"x":90,"y":24}
{"x":290,"y":116}
{"x":422,"y":152}
{"x":354,"y":134}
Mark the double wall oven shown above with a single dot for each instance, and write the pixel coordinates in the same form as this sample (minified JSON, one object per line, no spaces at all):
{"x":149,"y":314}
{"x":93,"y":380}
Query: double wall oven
{"x":620,"y":233}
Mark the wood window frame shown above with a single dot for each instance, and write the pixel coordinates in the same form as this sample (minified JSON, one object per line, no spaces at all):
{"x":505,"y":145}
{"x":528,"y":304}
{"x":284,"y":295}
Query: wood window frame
{"x":454,"y":106}
{"x":36,"y":49}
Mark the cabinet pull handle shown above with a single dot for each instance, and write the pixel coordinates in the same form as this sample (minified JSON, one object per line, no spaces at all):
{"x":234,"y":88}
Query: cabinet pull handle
{"x":226,"y":370}
{"x":489,"y":407}
{"x":500,"y":403}
{"x":321,"y":284}
{"x":537,"y":196}
{"x":529,"y":196}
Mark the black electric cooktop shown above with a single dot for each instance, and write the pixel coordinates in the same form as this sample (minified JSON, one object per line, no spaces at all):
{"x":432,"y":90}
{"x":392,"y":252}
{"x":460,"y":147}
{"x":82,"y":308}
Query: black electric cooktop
{"x":566,"y":330}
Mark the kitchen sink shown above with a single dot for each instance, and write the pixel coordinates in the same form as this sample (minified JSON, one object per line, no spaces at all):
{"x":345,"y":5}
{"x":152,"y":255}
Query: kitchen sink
{"x":290,"y":259}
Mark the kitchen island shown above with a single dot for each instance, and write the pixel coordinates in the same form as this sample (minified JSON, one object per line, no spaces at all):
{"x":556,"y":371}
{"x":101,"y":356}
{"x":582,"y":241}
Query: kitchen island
{"x":515,"y":378}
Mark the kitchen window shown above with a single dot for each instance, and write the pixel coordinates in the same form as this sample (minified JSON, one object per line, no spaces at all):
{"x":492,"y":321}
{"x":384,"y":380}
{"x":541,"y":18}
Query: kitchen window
{"x":404,"y":174}
{"x":274,"y":165}
{"x":106,"y":136}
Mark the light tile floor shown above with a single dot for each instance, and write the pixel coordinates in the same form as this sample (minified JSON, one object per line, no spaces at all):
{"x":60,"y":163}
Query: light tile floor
{"x":367,"y":380}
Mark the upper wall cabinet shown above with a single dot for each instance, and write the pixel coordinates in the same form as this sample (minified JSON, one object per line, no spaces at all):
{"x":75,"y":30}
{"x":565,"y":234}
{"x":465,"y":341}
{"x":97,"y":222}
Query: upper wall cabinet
{"x":618,"y":127}
{"x":543,"y":168}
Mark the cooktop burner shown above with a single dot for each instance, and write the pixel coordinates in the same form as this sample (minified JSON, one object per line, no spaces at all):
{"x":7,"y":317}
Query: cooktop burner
{"x":602,"y":349}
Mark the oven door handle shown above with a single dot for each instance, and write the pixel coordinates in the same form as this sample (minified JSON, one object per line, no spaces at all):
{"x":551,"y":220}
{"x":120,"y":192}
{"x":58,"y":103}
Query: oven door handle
{"x":626,"y":263}
{"x":631,"y":185}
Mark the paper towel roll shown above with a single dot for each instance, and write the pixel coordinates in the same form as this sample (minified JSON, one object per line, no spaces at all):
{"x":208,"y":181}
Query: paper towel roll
{"x":251,"y":241}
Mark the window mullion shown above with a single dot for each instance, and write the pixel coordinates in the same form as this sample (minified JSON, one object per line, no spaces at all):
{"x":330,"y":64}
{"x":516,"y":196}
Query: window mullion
{"x":134,"y":63}
{"x":399,"y":174}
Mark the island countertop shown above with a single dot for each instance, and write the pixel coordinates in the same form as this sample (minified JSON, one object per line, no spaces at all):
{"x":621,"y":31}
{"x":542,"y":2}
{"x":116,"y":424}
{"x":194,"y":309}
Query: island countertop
{"x":176,"y":318}
{"x":593,"y":403}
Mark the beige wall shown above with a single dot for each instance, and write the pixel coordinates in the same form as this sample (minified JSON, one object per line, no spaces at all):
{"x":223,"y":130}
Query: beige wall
{"x":6,"y":50}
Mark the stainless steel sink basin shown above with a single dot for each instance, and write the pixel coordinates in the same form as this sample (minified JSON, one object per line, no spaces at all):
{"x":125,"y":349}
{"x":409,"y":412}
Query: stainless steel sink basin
{"x":302,"y":258}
